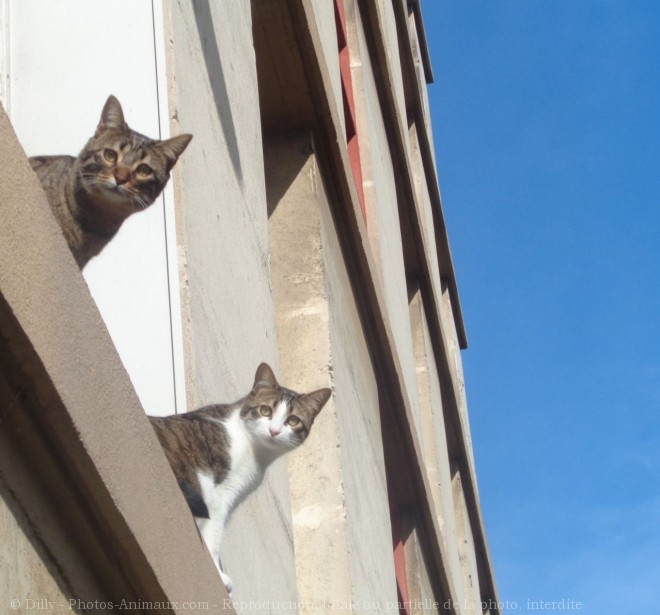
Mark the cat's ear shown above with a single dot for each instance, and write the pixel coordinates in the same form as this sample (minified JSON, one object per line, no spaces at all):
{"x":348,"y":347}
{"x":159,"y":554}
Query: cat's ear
{"x":173,"y":148}
{"x":264,"y":378}
{"x":316,"y":400}
{"x":112,"y":116}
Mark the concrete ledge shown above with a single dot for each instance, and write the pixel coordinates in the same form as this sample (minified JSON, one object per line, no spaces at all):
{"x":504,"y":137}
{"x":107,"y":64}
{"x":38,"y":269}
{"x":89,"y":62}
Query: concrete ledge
{"x":79,"y":462}
{"x":373,"y":15}
{"x":369,"y":295}
{"x":486,"y":575}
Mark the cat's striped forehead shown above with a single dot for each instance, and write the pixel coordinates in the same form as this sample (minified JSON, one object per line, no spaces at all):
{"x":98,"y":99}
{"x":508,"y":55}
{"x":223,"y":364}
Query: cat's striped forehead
{"x":274,"y":397}
{"x":283,"y":402}
{"x":126,"y":137}
{"x":130,"y":147}
{"x":267,"y":391}
{"x":134,"y":146}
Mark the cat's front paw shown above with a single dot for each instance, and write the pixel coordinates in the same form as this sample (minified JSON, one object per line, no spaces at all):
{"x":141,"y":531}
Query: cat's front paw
{"x":226,"y":579}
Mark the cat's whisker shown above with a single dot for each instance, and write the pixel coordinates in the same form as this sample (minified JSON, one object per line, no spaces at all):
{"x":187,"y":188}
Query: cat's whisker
{"x":95,"y":186}
{"x":137,"y":199}
{"x":214,"y":473}
{"x":144,"y":200}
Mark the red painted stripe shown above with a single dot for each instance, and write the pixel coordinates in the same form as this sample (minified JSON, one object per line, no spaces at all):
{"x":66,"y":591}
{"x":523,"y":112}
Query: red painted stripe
{"x":399,"y":558}
{"x":354,"y":158}
{"x":352,"y":138}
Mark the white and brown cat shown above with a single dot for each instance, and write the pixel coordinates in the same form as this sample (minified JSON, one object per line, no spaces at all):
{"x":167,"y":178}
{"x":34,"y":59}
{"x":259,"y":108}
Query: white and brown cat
{"x":117,"y":173}
{"x":220,"y":453}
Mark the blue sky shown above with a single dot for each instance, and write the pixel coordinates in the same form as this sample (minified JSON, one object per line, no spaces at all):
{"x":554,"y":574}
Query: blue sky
{"x":546,"y":121}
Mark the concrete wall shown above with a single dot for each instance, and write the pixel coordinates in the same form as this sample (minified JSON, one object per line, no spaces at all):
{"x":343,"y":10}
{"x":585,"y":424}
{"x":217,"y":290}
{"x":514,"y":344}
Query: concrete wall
{"x":456,"y":366}
{"x":423,"y":200}
{"x":389,"y":33}
{"x":384,"y":184}
{"x":32,"y":577}
{"x":383,"y":222}
{"x":224,"y":252}
{"x":339,"y":493}
{"x":357,"y":398}
{"x":420,"y":593}
{"x":421,"y":79}
{"x":303,"y":329}
{"x":471,"y":598}
{"x":222,"y":216}
{"x":324,"y":16}
{"x":433,"y":434}
{"x":319,"y":529}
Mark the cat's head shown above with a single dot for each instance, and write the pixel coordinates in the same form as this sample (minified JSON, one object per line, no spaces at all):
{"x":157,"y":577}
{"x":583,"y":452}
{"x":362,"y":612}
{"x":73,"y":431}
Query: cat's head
{"x":277,"y":418}
{"x":122,"y":170}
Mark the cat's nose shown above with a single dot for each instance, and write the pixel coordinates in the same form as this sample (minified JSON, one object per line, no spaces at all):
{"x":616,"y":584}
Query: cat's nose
{"x":274,"y":430}
{"x":122,"y":175}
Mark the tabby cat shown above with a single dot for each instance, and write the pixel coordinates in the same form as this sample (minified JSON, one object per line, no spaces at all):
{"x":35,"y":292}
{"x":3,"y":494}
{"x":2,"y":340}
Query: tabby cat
{"x":220,"y":453}
{"x":118,"y":173}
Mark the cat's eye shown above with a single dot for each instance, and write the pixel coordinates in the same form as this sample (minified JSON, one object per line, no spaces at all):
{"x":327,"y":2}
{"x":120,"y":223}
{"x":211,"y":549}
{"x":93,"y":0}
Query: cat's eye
{"x":293,"y":421}
{"x":110,"y":155}
{"x":265,"y":410}
{"x":144,"y":170}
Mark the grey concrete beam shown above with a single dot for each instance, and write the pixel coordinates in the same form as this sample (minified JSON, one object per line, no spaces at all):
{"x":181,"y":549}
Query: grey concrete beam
{"x":89,"y":455}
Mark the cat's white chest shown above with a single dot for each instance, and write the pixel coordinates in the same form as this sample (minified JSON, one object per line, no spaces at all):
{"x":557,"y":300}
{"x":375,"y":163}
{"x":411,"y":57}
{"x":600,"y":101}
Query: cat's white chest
{"x":245,"y":474}
{"x":246,"y":470}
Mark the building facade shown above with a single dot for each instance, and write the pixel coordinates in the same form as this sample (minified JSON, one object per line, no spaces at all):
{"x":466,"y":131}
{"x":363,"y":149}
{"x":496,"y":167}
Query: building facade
{"x":302,"y":227}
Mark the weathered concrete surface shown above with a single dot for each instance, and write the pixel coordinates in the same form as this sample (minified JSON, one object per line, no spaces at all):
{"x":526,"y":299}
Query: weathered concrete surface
{"x":324,"y":16}
{"x":471,"y":598}
{"x":433,"y":434}
{"x":388,"y":32}
{"x":303,"y":330}
{"x":339,"y":494}
{"x":423,"y":201}
{"x":383,"y":222}
{"x":26,"y":573}
{"x":228,"y":313}
{"x":363,"y":465}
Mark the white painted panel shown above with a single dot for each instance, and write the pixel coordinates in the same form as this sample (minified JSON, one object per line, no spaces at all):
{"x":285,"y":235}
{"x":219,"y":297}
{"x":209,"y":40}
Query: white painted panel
{"x":4,"y":53}
{"x":170,"y":223}
{"x":64,"y":58}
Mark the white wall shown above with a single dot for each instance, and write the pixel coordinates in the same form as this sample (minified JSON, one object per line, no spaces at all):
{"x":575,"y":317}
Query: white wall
{"x":60,"y":74}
